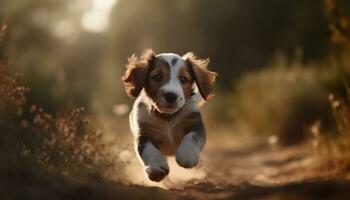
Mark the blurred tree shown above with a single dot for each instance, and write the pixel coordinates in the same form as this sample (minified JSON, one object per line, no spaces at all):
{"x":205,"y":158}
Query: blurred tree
{"x":47,"y":40}
{"x":237,"y":35}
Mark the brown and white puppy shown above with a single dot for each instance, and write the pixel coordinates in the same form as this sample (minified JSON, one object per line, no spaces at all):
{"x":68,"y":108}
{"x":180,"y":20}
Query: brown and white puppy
{"x":165,"y":119}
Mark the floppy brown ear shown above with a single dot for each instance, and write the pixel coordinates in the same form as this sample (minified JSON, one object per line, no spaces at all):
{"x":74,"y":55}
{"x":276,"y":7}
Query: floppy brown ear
{"x":136,"y":73}
{"x":204,"y":78}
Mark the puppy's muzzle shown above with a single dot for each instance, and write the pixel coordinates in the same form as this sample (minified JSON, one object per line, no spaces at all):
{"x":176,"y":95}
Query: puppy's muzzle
{"x":170,"y":97}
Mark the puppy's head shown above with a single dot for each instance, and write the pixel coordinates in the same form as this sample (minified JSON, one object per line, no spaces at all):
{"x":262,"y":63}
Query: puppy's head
{"x":168,"y":79}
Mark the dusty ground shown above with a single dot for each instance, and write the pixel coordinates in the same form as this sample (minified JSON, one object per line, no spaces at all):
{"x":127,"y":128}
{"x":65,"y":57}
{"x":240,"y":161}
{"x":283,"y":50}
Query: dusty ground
{"x":227,"y":171}
{"x":262,"y":171}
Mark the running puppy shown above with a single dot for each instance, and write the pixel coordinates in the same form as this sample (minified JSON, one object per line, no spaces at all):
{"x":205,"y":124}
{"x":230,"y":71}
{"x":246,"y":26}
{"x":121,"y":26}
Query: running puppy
{"x":165,"y":119}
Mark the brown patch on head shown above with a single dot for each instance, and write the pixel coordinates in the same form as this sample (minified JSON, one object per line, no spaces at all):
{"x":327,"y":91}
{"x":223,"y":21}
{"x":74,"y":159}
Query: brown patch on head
{"x":159,"y":75}
{"x":204,"y":78}
{"x":186,"y":81}
{"x":174,"y":61}
{"x":136,"y":72}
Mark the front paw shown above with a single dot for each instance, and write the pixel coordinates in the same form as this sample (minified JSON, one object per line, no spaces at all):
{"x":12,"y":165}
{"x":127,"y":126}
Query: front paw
{"x":157,"y":172}
{"x":187,"y":155}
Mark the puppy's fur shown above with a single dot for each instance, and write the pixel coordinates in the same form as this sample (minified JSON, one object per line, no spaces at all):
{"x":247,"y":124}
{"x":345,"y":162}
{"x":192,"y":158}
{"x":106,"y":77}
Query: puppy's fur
{"x":165,"y":119}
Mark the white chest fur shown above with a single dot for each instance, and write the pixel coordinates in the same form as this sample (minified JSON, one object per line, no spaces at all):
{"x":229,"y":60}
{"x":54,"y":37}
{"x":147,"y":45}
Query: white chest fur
{"x":166,"y":134}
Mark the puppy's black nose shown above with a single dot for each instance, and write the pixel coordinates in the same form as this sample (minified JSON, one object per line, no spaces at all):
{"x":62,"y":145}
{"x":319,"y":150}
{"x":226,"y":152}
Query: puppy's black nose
{"x":170,"y":97}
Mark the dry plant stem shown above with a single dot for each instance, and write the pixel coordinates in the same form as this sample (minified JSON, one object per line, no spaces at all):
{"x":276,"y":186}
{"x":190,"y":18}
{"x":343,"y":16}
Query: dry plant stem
{"x":64,"y":142}
{"x":340,"y":28}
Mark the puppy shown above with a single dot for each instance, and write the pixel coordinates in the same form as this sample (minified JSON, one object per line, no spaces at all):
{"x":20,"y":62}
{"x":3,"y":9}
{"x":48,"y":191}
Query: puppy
{"x":165,"y":119}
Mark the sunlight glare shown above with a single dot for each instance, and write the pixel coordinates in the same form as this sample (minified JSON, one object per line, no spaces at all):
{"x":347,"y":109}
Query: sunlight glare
{"x":64,"y":29}
{"x":121,"y":109}
{"x":97,"y":18}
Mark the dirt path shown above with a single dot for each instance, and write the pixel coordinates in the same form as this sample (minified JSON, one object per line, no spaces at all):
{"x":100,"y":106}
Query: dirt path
{"x":261,"y":171}
{"x":256,"y":171}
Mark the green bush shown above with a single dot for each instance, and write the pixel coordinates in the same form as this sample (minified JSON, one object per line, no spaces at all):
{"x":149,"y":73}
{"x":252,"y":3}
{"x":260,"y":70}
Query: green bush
{"x":284,"y":99}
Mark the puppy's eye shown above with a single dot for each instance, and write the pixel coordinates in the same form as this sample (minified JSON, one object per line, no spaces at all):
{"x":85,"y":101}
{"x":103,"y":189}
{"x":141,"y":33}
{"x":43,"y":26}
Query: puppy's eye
{"x":157,"y":77}
{"x":183,"y":79}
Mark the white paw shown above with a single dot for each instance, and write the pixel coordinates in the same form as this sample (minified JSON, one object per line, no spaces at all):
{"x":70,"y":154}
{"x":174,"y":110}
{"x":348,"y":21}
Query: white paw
{"x":187,"y":155}
{"x":156,"y":165}
{"x":157,"y":171}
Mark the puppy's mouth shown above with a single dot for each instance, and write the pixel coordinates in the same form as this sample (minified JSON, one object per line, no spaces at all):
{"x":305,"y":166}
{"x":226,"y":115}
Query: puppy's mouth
{"x":167,"y":108}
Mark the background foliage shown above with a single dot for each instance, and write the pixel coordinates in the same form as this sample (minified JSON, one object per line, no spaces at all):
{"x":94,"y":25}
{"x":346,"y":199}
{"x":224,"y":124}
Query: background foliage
{"x":283,"y":69}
